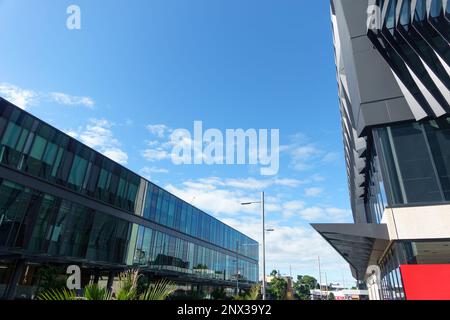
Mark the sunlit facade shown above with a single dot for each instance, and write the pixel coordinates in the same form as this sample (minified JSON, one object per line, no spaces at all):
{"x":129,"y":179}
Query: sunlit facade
{"x":393,"y":74}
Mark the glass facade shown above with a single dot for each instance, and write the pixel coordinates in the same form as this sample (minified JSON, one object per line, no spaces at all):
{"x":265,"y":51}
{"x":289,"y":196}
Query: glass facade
{"x":43,"y":224}
{"x":164,"y":208}
{"x":156,"y":250}
{"x":416,"y":158}
{"x":32,"y":146}
{"x":409,"y":252}
{"x":391,"y":279}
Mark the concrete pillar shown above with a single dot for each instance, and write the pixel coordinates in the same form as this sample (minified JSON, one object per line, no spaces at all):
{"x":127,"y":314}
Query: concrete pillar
{"x":110,"y":283}
{"x":373,"y":281}
{"x":10,"y":293}
{"x":96,"y":276}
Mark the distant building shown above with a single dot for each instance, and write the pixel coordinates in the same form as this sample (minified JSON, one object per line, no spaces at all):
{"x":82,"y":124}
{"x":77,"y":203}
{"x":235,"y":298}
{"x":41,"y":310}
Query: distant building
{"x":339,"y":294}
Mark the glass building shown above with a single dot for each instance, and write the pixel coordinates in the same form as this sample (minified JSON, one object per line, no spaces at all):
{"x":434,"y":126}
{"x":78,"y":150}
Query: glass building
{"x":62,"y":203}
{"x":393,"y":74}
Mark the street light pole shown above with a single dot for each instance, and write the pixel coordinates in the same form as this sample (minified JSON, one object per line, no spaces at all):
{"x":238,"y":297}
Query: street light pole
{"x":320,"y":280}
{"x":264,"y":247}
{"x":264,"y":230}
{"x":237,"y":267}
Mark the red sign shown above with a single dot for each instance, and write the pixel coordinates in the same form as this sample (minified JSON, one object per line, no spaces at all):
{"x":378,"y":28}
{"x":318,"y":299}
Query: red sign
{"x":426,"y":282}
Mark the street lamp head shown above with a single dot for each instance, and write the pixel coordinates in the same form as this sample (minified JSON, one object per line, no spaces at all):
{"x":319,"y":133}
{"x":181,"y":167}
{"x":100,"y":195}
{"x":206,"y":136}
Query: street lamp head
{"x":249,"y":203}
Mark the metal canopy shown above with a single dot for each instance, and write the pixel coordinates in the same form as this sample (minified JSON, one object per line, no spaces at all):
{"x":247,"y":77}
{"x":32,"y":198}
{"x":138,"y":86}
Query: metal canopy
{"x":354,"y":242}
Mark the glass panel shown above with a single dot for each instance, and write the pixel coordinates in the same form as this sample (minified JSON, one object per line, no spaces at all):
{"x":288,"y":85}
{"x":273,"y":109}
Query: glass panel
{"x":14,"y":203}
{"x":436,"y":7}
{"x":438,"y":133}
{"x":22,"y":139}
{"x":421,"y":11}
{"x":41,"y":228}
{"x":405,"y":16}
{"x":390,"y":16}
{"x":411,"y":173}
{"x":38,"y":148}
{"x":11,"y":135}
{"x":76,"y":176}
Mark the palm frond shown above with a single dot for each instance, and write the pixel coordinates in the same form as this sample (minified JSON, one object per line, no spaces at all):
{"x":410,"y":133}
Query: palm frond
{"x":160,"y":290}
{"x":95,"y":293}
{"x":57,"y":295}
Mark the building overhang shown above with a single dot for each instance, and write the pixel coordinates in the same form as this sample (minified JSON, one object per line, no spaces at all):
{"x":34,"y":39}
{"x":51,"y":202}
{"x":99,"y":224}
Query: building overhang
{"x":356,"y":243}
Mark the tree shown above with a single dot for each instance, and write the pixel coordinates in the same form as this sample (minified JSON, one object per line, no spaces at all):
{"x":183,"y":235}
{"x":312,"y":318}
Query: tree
{"x":278,"y":286}
{"x":331,"y":296}
{"x":303,"y":286}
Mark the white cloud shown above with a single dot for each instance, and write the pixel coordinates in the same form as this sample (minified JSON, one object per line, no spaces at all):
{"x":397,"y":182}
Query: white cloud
{"x":331,"y":157}
{"x":224,"y":196}
{"x":318,"y":177}
{"x":328,"y":214}
{"x":293,"y":246}
{"x":291,"y":208}
{"x":289,"y":182}
{"x":149,"y":171}
{"x":161,"y":147}
{"x":18,"y":96}
{"x":154,"y":170}
{"x":116,"y":154}
{"x":98,"y":135}
{"x":156,"y":154}
{"x":66,"y":99}
{"x":210,"y":199}
{"x":306,"y":155}
{"x":294,"y":205}
{"x":25,"y":98}
{"x":159,"y":130}
{"x":313,"y":192}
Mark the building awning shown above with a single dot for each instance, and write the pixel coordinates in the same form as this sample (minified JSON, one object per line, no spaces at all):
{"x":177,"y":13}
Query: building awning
{"x":354,"y":242}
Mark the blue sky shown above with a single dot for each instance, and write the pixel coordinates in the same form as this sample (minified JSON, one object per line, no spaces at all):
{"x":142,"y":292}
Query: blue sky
{"x":137,"y":70}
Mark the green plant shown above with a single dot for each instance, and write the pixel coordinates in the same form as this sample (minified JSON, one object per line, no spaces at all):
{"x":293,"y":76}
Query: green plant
{"x":254,"y":292}
{"x":57,"y":295}
{"x":127,"y":289}
{"x":252,"y":295}
{"x":160,"y":290}
{"x":219,"y":294}
{"x":94,"y":292}
{"x":51,"y":278}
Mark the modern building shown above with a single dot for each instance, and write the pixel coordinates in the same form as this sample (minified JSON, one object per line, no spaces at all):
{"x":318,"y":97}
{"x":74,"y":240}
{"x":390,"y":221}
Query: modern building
{"x":62,"y":203}
{"x":393,"y":75}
